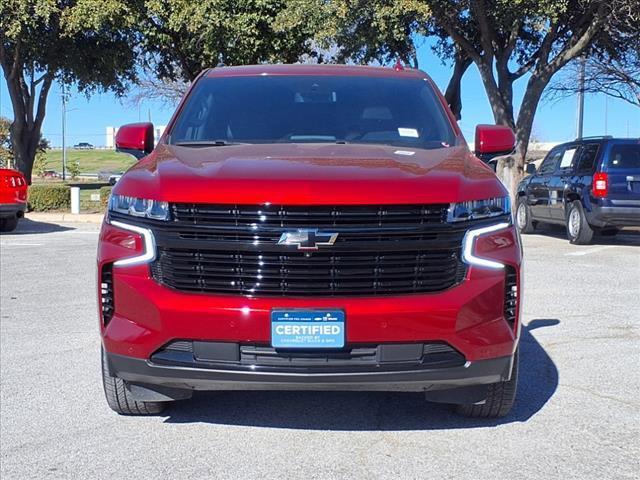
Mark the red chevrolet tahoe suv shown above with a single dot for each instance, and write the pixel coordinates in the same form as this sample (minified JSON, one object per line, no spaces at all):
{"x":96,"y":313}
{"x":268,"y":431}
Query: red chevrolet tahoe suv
{"x":310,"y":227}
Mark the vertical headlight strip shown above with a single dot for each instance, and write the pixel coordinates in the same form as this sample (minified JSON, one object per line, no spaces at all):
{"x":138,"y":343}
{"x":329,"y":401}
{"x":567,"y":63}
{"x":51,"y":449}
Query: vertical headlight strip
{"x":149,"y":254}
{"x":468,"y":242}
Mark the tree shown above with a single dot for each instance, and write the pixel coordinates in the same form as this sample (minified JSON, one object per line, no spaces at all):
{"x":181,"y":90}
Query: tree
{"x":81,"y":42}
{"x":180,"y":38}
{"x":6,"y":155}
{"x":613,"y":66}
{"x":531,"y":39}
{"x":612,"y":77}
{"x":364,"y":31}
{"x":6,"y":149}
{"x":40,"y":163}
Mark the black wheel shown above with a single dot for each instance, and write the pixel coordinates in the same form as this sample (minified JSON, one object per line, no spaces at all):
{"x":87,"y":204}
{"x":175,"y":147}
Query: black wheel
{"x":500,"y":397}
{"x":8,"y":224}
{"x":523,"y":217}
{"x":578,"y":230}
{"x":119,"y":398}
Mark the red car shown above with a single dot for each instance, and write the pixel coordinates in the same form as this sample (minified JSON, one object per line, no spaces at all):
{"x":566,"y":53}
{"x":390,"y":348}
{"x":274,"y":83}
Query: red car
{"x":310,"y":227}
{"x":13,"y":198}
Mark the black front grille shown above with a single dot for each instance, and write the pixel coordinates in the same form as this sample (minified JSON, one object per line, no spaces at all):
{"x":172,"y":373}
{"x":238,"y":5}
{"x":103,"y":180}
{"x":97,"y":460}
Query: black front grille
{"x":106,"y":294}
{"x":510,"y":295}
{"x":379,"y":250}
{"x":320,"y":273}
{"x":311,"y":217}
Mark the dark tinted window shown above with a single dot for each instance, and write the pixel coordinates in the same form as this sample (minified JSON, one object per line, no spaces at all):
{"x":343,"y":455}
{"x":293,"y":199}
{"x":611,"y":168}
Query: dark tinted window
{"x":305,"y":108}
{"x":588,"y":155}
{"x":550,"y":161}
{"x":624,"y":156}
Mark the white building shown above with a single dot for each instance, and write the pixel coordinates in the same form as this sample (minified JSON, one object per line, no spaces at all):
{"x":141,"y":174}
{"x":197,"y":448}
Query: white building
{"x":110,"y":141}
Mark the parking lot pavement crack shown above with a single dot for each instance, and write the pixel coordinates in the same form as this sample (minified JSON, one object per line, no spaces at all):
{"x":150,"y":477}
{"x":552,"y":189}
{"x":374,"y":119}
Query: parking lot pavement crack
{"x":601,"y":395}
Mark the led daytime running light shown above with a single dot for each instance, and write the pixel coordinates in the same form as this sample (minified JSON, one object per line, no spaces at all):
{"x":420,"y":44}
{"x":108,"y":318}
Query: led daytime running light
{"x":468,"y":243}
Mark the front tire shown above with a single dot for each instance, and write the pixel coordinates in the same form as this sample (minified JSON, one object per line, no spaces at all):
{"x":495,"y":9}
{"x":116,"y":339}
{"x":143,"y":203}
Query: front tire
{"x":8,"y":224}
{"x":579,"y":232}
{"x":500,"y":397}
{"x":120,"y":399}
{"x":523,"y":217}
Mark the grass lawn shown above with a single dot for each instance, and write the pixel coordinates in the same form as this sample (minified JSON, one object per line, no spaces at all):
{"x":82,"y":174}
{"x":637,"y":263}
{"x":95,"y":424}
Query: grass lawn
{"x":91,"y":161}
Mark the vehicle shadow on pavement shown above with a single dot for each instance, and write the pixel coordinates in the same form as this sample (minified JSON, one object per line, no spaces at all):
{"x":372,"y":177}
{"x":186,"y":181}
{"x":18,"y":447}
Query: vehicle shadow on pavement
{"x":31,"y":227}
{"x":625,"y":237}
{"x":366,"y":411}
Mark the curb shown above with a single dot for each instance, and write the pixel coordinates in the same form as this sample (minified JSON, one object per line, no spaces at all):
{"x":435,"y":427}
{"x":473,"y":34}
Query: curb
{"x":65,"y":217}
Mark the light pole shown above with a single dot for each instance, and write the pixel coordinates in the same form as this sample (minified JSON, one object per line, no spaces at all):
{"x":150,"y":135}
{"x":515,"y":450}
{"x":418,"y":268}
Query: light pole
{"x":581,"y":74}
{"x":64,"y":146}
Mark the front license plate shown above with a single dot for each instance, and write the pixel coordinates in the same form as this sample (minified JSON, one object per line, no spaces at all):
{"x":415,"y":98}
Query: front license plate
{"x":307,"y":329}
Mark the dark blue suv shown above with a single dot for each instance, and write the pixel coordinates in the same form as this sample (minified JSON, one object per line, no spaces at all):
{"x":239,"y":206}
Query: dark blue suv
{"x":591,"y":185}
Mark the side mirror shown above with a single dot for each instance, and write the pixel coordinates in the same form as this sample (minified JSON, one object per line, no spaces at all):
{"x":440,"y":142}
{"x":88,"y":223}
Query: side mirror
{"x":530,"y":169}
{"x":135,"y":139}
{"x":493,"y":140}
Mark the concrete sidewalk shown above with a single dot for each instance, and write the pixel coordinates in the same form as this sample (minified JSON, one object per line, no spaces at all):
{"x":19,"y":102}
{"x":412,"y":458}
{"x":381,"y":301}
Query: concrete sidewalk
{"x":52,"y":217}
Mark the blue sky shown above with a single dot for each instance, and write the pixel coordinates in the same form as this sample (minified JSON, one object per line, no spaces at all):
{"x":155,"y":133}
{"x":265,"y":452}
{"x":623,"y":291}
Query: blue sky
{"x":555,"y":120}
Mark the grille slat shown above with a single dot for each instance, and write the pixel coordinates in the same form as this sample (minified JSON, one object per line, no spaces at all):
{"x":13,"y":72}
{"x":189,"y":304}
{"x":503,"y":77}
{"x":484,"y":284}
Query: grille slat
{"x":304,"y":216}
{"x":380,"y":250}
{"x":276,"y":275}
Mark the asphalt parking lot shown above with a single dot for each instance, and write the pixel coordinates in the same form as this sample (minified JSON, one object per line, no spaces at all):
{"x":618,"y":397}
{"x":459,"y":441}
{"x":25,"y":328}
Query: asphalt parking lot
{"x":577,"y":413}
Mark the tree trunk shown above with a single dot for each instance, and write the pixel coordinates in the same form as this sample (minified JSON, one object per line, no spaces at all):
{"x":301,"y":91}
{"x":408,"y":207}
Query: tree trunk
{"x":28,"y":116}
{"x":511,"y":169}
{"x":453,"y":93}
{"x":501,"y":108}
{"x":25,"y":146}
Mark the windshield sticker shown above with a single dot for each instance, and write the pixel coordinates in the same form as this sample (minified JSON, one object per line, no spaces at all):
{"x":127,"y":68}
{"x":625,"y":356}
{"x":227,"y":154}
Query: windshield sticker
{"x":408,"y":132}
{"x":567,"y":158}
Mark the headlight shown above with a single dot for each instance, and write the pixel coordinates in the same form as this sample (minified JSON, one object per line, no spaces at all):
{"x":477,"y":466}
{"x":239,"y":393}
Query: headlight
{"x":139,"y":207}
{"x":477,"y":209}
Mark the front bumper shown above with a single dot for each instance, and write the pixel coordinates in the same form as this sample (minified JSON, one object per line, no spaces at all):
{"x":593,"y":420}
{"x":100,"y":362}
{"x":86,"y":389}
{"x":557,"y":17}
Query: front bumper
{"x":11,"y":210}
{"x":469,"y":317}
{"x":614,"y":216}
{"x":174,"y":378}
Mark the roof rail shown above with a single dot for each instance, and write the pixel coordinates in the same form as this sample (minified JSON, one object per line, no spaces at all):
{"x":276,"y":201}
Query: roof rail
{"x":595,"y":137}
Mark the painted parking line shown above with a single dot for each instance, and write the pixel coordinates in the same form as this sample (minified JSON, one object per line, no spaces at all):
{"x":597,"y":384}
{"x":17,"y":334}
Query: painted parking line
{"x":20,"y":244}
{"x":590,"y":251}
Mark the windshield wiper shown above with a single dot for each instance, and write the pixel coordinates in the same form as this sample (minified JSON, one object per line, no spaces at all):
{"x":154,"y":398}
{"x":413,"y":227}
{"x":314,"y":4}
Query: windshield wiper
{"x":206,"y":143}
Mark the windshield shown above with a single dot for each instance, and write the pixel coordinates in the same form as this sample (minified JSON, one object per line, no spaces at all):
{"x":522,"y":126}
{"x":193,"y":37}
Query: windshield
{"x":295,"y":109}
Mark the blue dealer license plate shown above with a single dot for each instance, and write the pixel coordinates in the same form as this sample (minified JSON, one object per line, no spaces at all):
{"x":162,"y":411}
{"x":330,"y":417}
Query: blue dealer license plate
{"x":307,"y":329}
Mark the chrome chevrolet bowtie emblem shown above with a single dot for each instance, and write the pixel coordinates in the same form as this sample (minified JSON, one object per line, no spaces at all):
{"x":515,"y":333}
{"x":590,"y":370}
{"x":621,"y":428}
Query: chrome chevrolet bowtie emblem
{"x":308,"y":239}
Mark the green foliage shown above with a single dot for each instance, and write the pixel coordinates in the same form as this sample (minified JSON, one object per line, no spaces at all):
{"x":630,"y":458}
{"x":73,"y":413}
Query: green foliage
{"x":105,"y":192}
{"x":43,"y":198}
{"x":88,"y":43}
{"x":363,"y":31}
{"x":182,"y":37}
{"x":40,"y":164}
{"x":73,"y":169}
{"x":6,"y":154}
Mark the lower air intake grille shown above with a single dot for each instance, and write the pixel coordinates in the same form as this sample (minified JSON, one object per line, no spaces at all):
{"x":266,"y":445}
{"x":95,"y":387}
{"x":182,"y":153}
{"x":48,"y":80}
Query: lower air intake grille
{"x":510,"y":295}
{"x":106,"y":294}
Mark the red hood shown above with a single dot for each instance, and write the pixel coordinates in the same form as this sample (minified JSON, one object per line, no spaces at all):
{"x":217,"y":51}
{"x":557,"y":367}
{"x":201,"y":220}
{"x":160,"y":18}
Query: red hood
{"x":307,"y":174}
